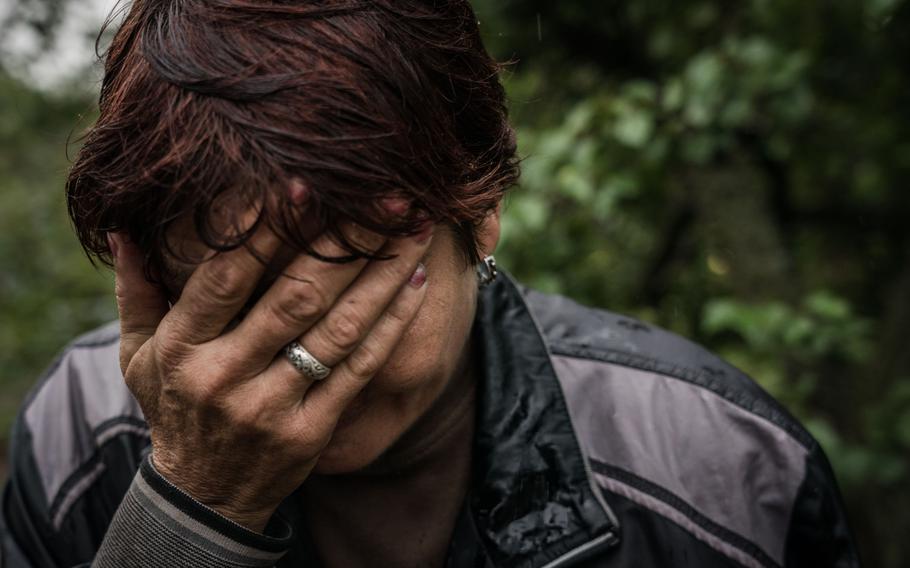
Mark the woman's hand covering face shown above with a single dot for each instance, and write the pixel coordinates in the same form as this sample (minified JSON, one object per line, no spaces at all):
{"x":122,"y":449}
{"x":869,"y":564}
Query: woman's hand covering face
{"x":233,"y":423}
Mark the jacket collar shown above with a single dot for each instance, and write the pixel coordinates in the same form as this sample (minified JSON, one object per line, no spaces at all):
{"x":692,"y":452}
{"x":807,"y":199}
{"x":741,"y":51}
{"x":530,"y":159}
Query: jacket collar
{"x":534,"y":502}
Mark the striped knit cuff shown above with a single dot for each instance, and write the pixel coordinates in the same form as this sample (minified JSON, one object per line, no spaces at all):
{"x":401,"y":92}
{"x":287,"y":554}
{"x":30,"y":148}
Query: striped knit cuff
{"x":159,"y":525}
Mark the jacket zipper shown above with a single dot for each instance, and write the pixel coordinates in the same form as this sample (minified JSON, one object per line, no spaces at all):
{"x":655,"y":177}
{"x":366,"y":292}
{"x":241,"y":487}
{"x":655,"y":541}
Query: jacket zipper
{"x":609,"y":538}
{"x":604,"y":541}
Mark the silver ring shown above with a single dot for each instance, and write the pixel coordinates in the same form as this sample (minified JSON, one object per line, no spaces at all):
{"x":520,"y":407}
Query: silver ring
{"x":304,"y":362}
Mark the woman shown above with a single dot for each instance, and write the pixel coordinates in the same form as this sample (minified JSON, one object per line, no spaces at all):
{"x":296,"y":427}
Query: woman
{"x":320,"y":369}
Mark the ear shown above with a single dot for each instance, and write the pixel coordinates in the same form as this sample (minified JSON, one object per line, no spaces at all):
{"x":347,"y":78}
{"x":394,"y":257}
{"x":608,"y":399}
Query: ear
{"x":488,"y":232}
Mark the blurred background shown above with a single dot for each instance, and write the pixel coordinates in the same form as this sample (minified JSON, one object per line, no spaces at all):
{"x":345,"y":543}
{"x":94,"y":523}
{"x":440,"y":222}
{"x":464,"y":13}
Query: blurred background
{"x":733,"y":171}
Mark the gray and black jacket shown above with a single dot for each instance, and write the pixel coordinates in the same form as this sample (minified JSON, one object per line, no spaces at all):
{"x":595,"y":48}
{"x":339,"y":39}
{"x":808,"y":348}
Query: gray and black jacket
{"x":601,"y":441}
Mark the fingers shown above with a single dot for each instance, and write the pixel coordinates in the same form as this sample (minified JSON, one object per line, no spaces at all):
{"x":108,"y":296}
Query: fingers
{"x":295,"y":303}
{"x":328,"y":399}
{"x":343,"y":328}
{"x":141,"y":304}
{"x":219,"y":288}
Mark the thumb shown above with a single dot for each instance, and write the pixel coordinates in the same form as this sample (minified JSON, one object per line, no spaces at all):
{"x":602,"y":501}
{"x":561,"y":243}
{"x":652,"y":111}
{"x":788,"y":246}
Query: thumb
{"x":141,"y":304}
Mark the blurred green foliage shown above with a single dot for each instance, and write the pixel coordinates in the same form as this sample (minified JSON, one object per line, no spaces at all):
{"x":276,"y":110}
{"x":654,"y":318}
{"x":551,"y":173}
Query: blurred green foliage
{"x":48,"y":291}
{"x":731,"y":171}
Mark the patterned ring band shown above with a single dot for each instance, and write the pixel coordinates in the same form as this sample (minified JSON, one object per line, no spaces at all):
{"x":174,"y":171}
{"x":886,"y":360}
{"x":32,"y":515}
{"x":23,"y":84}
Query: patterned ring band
{"x":304,"y":362}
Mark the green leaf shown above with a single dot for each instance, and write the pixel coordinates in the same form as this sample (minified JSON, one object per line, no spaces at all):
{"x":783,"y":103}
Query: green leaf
{"x":826,"y":305}
{"x":634,"y":127}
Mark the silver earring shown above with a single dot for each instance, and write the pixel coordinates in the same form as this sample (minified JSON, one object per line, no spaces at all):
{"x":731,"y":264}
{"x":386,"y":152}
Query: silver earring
{"x":486,"y":271}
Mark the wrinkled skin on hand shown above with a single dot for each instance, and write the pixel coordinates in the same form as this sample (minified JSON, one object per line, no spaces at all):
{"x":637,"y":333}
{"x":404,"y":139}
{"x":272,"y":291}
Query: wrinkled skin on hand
{"x":232,"y":422}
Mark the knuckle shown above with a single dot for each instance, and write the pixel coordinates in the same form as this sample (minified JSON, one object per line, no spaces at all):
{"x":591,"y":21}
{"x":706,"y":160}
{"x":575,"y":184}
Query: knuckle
{"x":344,"y":330}
{"x":313,"y":445}
{"x":121,"y":294}
{"x":200,"y":390}
{"x":126,"y":359}
{"x":399,"y":314}
{"x":310,"y":435}
{"x":218,"y":281}
{"x":250,"y":419}
{"x":364,"y":362}
{"x":201,"y":393}
{"x":142,"y":384}
{"x":301,"y":305}
{"x":168,"y":347}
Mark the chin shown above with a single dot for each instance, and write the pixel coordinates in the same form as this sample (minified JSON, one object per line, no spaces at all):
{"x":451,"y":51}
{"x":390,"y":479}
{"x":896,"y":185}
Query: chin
{"x":375,"y":420}
{"x":340,"y":457}
{"x":364,"y":431}
{"x":395,"y":398}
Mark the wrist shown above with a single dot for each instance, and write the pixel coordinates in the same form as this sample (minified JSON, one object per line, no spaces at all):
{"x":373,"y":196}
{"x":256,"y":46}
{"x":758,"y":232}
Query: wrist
{"x":251,"y":519}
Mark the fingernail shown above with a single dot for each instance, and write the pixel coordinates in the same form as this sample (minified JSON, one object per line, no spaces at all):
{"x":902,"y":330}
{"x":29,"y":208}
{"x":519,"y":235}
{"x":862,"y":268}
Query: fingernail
{"x":395,"y":205}
{"x":298,"y":191}
{"x":425,"y":233}
{"x":113,"y":244}
{"x":419,"y":277}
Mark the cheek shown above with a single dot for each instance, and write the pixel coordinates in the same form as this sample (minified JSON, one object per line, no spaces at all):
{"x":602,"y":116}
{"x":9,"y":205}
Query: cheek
{"x":429,"y":351}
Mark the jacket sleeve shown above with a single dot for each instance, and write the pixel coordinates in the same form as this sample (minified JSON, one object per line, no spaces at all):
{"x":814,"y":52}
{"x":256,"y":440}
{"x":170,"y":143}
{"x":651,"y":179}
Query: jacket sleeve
{"x":156,"y":526}
{"x":11,"y":556}
{"x":26,"y":537}
{"x":81,"y":490}
{"x":819,"y":536}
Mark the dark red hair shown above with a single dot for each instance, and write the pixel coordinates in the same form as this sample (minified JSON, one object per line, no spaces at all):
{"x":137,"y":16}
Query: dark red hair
{"x":361,"y":100}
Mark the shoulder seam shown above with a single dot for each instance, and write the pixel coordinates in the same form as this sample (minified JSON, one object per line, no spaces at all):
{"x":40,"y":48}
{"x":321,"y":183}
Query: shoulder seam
{"x":672,"y":500}
{"x":78,"y":343}
{"x":89,"y":344}
{"x":691,"y":376}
